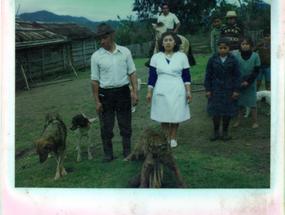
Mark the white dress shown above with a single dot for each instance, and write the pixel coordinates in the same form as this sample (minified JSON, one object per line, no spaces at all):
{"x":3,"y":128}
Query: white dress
{"x":169,"y":102}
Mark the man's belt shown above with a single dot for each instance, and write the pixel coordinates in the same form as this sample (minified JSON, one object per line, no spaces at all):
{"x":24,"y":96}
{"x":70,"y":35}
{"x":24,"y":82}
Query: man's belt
{"x":114,"y":89}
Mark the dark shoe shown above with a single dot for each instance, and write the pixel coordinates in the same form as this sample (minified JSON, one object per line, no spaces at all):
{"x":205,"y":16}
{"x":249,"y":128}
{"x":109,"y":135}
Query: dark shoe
{"x":126,"y":146}
{"x":215,"y":137}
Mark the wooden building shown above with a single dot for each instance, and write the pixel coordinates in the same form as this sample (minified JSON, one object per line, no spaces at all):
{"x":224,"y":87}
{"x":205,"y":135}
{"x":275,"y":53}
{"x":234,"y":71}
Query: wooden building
{"x":39,"y":53}
{"x":81,"y":38}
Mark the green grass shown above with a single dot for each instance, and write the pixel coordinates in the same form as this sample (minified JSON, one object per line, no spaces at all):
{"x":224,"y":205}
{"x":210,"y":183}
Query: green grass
{"x":243,"y":162}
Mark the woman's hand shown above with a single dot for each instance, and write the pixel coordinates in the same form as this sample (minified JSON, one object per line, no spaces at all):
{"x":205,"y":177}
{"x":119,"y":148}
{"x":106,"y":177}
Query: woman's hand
{"x":189,"y":97}
{"x":149,"y":96}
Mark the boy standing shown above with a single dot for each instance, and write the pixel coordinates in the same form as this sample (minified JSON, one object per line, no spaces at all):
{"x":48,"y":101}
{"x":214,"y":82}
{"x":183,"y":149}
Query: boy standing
{"x":215,"y":33}
{"x":263,"y":49}
{"x":222,"y":82}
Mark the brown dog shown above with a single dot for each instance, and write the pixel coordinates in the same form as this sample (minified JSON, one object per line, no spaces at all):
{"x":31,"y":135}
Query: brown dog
{"x":156,"y":153}
{"x":53,"y":139}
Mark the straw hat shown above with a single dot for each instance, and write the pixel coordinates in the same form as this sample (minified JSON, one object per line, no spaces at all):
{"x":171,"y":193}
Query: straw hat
{"x":231,"y":13}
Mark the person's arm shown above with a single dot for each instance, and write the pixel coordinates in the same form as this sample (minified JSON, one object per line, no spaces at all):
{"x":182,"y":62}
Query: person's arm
{"x":177,"y":23}
{"x":131,"y":68}
{"x":152,"y":78}
{"x":95,"y":91}
{"x":186,"y":77}
{"x":236,"y":80}
{"x":208,"y":78}
{"x":213,"y":42}
{"x":95,"y":83}
{"x":250,"y":78}
{"x":252,"y":75}
{"x":134,"y":90}
{"x":177,"y":26}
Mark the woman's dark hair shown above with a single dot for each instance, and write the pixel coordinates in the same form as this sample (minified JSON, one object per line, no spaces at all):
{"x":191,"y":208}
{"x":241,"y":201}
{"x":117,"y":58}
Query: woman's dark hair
{"x":175,"y":37}
{"x":248,"y":40}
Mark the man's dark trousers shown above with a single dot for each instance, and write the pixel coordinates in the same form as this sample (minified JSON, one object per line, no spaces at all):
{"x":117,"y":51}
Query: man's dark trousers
{"x":115,"y":102}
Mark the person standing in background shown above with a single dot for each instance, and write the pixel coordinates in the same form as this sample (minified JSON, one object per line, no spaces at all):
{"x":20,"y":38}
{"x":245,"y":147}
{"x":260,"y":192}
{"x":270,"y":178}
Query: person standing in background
{"x":169,"y":19}
{"x":263,"y":49}
{"x":215,"y":33}
{"x":232,"y":31}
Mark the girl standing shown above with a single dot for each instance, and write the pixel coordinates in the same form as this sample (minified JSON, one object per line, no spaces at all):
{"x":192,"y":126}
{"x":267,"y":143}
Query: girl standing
{"x":249,"y":63}
{"x":169,"y":88}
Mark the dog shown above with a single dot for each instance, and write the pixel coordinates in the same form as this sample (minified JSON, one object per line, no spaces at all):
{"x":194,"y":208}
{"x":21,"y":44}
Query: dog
{"x":53,"y":139}
{"x":155,"y":152}
{"x":264,"y":95}
{"x":81,"y":123}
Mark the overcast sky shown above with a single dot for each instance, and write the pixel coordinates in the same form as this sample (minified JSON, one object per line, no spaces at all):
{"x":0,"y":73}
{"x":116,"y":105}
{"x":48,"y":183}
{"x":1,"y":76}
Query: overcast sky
{"x":95,"y":10}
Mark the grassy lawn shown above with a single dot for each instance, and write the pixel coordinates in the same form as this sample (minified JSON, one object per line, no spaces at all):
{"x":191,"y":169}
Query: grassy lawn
{"x":243,"y":162}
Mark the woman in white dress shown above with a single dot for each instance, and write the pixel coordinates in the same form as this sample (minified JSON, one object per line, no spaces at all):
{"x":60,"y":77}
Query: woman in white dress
{"x":169,"y":90}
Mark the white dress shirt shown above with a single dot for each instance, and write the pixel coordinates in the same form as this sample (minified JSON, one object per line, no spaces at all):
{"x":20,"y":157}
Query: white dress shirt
{"x":112,"y":69}
{"x":169,"y":20}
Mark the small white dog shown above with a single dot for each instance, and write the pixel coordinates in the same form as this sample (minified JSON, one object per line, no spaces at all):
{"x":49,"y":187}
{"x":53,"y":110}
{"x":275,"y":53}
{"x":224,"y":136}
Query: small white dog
{"x":260,"y":95}
{"x":81,"y":123}
{"x":264,"y":94}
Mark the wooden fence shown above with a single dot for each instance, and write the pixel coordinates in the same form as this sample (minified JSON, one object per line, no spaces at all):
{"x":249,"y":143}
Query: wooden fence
{"x":140,"y":50}
{"x":81,"y":52}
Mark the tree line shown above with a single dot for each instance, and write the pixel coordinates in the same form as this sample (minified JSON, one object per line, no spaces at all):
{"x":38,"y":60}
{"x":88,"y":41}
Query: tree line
{"x":195,"y":17}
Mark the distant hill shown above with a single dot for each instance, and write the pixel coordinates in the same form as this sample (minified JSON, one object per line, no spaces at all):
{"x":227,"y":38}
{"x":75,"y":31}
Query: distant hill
{"x":46,"y":16}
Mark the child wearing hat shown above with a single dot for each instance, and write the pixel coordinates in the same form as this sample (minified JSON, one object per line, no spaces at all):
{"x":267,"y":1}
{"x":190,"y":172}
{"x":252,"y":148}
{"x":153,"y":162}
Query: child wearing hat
{"x":222,"y":82}
{"x":232,"y":30}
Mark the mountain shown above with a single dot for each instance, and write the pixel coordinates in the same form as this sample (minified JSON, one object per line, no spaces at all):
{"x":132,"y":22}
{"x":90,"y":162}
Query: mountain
{"x":46,"y":16}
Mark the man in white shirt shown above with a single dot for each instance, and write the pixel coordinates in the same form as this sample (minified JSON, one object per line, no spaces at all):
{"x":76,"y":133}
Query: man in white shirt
{"x":112,"y":69}
{"x":169,"y":19}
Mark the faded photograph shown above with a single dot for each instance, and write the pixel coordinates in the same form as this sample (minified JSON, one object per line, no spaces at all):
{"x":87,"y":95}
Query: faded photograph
{"x":142,"y":94}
